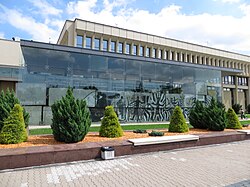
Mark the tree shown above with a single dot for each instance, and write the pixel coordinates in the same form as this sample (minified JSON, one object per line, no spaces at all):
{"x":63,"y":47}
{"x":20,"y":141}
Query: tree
{"x":7,"y":102}
{"x":232,"y":120}
{"x":13,"y":130}
{"x":196,"y":116}
{"x":71,"y":119}
{"x":110,"y":126}
{"x":215,"y":116}
{"x":177,"y":121}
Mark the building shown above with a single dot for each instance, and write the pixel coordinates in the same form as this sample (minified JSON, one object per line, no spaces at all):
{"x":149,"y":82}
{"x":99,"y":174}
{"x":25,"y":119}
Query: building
{"x":143,"y":76}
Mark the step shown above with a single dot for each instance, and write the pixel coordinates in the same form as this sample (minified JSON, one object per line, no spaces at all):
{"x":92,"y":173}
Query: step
{"x":163,"y":139}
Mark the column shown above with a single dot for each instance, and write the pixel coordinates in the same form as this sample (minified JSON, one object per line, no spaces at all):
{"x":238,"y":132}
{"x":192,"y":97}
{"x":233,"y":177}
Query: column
{"x":109,"y":44}
{"x":84,"y":40}
{"x":93,"y":42}
{"x":236,"y":90}
{"x":101,"y":43}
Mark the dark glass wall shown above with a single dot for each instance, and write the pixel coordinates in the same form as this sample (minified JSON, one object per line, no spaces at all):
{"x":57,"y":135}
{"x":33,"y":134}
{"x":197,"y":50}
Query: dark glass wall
{"x":139,"y":90}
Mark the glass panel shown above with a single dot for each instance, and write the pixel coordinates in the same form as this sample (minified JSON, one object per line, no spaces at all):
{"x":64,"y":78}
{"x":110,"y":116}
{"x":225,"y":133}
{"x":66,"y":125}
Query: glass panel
{"x":97,"y":43}
{"x":141,"y":51}
{"x":113,"y":46}
{"x":128,"y":48}
{"x":148,"y":52}
{"x":79,"y":41}
{"x":154,"y":53}
{"x":120,"y":47}
{"x":135,"y":49}
{"x":88,"y":42}
{"x":105,"y":45}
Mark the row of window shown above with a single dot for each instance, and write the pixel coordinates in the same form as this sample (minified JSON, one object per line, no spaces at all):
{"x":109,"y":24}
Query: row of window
{"x":231,"y":80}
{"x":133,"y":49}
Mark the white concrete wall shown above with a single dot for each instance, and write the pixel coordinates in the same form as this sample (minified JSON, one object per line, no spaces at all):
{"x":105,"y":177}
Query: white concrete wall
{"x":10,"y":53}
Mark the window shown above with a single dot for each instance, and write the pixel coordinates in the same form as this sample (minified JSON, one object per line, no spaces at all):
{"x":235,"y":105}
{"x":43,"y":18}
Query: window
{"x":154,"y":53}
{"x":120,"y":47}
{"x":135,"y":50}
{"x":97,"y":43}
{"x":113,"y":46}
{"x":141,"y":51}
{"x":79,"y":41}
{"x":88,"y":42}
{"x":172,"y":54}
{"x":229,"y":80}
{"x":242,"y":81}
{"x":178,"y":56}
{"x":128,"y":47}
{"x":183,"y":57}
{"x":148,"y":52}
{"x":105,"y":45}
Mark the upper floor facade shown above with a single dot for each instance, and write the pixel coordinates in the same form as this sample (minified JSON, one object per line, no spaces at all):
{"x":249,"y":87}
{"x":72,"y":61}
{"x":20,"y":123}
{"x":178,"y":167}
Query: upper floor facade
{"x":96,"y":36}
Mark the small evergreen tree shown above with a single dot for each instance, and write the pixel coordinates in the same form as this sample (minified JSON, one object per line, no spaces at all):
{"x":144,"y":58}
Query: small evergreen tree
{"x":110,"y":126}
{"x":7,"y":102}
{"x":13,"y":130}
{"x":71,"y":119}
{"x":215,"y":116}
{"x":196,"y":116}
{"x":232,"y":120}
{"x":177,"y":121}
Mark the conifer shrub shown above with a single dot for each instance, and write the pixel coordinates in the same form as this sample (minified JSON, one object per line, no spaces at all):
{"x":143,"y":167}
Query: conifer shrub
{"x":177,"y":121}
{"x":13,"y":130}
{"x":232,"y":120}
{"x":110,"y":126}
{"x":156,"y":133}
{"x":196,"y":116}
{"x":71,"y":119}
{"x":7,"y":102}
{"x":215,"y":116}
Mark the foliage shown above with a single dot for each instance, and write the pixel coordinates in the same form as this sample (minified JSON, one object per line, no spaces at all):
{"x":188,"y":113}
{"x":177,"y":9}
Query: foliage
{"x":140,"y":131}
{"x":236,"y":108}
{"x":232,"y":120}
{"x":215,"y":116}
{"x":196,"y":116}
{"x":71,"y":119}
{"x":156,"y":133}
{"x":7,"y":102}
{"x":110,"y":126}
{"x":13,"y":130}
{"x":177,"y":121}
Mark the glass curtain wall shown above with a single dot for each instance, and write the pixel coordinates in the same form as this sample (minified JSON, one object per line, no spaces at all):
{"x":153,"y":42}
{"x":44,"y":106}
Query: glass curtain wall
{"x":139,"y":90}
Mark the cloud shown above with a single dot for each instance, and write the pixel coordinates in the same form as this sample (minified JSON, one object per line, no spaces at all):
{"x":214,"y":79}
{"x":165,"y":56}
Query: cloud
{"x":38,"y":31}
{"x":214,"y":30}
{"x":44,"y":8}
{"x":229,"y":1}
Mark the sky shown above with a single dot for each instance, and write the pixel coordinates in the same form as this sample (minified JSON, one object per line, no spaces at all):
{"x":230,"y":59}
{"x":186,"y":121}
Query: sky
{"x":222,"y":24}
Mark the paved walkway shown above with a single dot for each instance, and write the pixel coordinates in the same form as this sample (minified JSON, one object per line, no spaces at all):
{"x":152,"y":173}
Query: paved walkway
{"x":217,"y":165}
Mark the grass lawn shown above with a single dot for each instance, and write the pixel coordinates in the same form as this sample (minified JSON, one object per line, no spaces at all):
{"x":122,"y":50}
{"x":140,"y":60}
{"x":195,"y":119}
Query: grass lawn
{"x":96,"y":129}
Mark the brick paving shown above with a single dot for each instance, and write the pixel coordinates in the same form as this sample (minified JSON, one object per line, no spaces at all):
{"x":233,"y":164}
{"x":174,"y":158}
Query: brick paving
{"x":216,"y":165}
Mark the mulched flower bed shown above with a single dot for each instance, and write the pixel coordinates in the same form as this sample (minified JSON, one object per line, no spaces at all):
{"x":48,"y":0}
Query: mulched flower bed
{"x":43,"y":140}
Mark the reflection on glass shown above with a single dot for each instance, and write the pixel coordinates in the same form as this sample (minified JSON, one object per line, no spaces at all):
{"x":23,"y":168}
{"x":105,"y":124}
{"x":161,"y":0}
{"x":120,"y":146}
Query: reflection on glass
{"x":88,"y":42}
{"x":105,"y":45}
{"x":79,"y":41}
{"x":113,"y":46}
{"x":97,"y":44}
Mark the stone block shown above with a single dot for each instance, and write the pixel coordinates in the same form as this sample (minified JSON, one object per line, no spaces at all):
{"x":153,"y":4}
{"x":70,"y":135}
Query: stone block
{"x":35,"y":114}
{"x":31,"y":94}
{"x":47,"y":116}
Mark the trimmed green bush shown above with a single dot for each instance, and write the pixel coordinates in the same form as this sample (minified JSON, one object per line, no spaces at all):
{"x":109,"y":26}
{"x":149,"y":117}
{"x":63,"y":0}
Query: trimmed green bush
{"x":156,"y":133}
{"x":13,"y":130}
{"x":110,"y":126}
{"x":140,"y":131}
{"x":232,"y":120}
{"x":196,"y":116}
{"x":215,"y":116}
{"x":177,"y":121}
{"x":71,"y":119}
{"x":7,"y":102}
